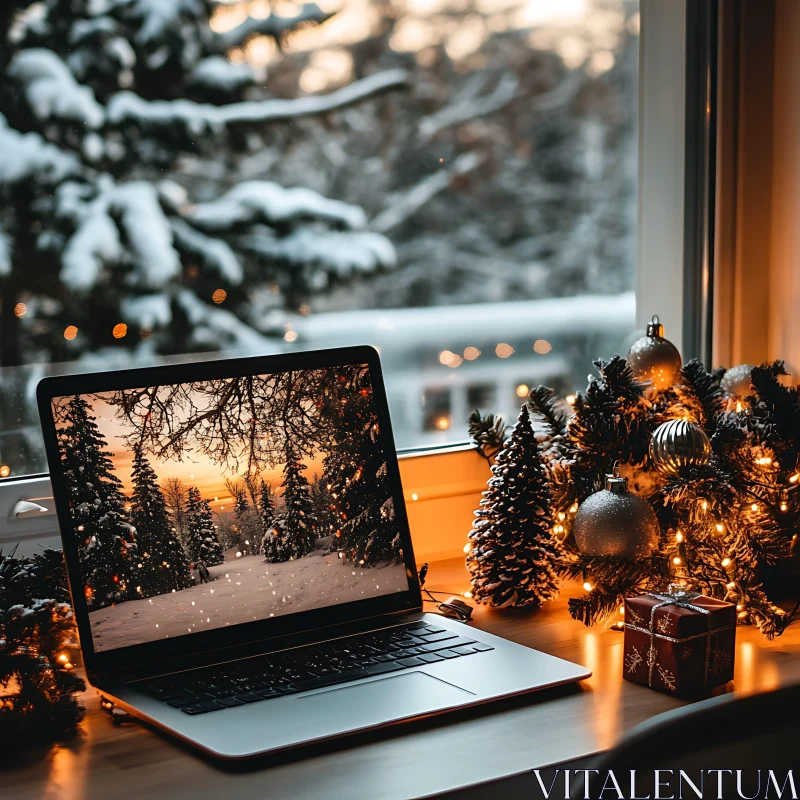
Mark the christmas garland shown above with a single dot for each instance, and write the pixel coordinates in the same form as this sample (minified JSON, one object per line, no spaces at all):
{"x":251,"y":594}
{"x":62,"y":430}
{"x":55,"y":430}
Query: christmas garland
{"x":723,"y":487}
{"x":38,"y":688}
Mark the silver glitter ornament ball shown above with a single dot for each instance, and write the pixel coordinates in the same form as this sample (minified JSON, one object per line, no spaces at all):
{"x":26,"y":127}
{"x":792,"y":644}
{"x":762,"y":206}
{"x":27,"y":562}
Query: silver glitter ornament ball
{"x":654,"y":358}
{"x":736,"y":381}
{"x":677,"y":445}
{"x":614,"y":522}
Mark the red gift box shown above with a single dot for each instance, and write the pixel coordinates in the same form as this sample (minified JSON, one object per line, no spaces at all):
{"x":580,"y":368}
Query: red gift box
{"x":679,"y":642}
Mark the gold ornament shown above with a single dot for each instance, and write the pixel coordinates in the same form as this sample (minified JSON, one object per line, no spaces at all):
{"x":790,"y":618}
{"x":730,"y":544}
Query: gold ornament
{"x":654,"y":358}
{"x":677,"y":445}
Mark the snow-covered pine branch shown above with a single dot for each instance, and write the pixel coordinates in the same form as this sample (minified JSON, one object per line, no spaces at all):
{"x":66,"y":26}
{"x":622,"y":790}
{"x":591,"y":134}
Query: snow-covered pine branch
{"x":51,"y":89}
{"x":25,"y":155}
{"x":217,"y":74}
{"x":254,"y":202}
{"x":273,"y":25}
{"x":147,"y":239}
{"x":215,"y":254}
{"x":343,"y":253}
{"x":198,"y":118}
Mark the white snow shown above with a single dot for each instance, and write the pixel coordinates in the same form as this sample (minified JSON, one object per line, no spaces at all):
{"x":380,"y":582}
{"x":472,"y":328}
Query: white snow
{"x":241,"y":590}
{"x":97,"y":239}
{"x":342,"y":252}
{"x":265,"y":201}
{"x":216,"y":72}
{"x":199,"y":117}
{"x":147,"y":311}
{"x":214,"y":253}
{"x":51,"y":89}
{"x":23,"y":155}
{"x":157,"y":16}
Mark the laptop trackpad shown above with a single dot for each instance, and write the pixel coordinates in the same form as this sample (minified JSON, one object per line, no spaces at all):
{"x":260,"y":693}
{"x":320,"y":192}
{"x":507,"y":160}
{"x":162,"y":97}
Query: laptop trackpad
{"x":392,"y":697}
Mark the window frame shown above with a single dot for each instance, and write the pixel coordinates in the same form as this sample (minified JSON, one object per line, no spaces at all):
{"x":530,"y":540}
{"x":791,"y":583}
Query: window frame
{"x":677,"y":124}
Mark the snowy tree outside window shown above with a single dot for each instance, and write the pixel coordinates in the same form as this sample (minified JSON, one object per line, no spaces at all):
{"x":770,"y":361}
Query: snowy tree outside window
{"x":453,"y":181}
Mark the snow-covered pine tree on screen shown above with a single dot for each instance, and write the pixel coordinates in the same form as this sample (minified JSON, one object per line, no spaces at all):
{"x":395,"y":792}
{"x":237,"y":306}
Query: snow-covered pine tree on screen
{"x":101,"y":100}
{"x":107,"y":542}
{"x":355,"y":473}
{"x":298,"y":517}
{"x":161,"y":563}
{"x":513,"y":552}
{"x":203,"y":544}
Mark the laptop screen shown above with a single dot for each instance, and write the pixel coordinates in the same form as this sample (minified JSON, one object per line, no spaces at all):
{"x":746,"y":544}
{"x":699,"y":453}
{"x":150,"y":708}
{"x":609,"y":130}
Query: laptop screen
{"x":208,"y":504}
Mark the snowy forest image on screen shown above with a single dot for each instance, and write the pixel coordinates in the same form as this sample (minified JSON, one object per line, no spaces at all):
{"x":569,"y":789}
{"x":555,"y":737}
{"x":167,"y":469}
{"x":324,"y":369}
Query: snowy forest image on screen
{"x":205,"y":504}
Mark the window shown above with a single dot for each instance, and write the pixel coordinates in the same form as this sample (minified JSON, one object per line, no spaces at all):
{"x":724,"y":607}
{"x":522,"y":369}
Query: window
{"x":453,"y":181}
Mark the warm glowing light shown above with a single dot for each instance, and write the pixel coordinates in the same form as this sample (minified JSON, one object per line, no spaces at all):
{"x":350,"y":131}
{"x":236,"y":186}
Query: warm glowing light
{"x":70,"y":332}
{"x":588,"y":586}
{"x":705,"y":505}
{"x":442,"y":423}
{"x":764,"y":461}
{"x":503,"y":350}
{"x":754,"y":507}
{"x":63,"y":658}
{"x":561,"y":516}
{"x":622,"y":610}
{"x":414,"y":496}
{"x":573,"y":509}
{"x":542,"y":346}
{"x":467,"y":547}
{"x":450,"y":359}
{"x":522,"y":390}
{"x":726,"y":562}
{"x":219,"y":296}
{"x":5,"y":471}
{"x":739,"y":607}
{"x":471,"y":353}
{"x":784,"y":506}
{"x":720,"y":527}
{"x":238,"y":554}
{"x":794,"y":478}
{"x":20,"y":310}
{"x":69,"y":666}
{"x":678,"y":537}
{"x":558,"y":529}
{"x":119,"y":331}
{"x":290,"y":336}
{"x":676,"y":560}
{"x":730,"y":585}
{"x":468,"y":595}
{"x":738,"y":406}
{"x":570,"y":398}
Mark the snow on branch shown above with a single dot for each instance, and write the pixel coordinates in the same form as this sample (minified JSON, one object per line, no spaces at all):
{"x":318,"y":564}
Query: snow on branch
{"x":405,"y":204}
{"x":343,"y":253}
{"x":273,"y":25}
{"x":131,"y":209}
{"x":23,"y":155}
{"x":51,"y":89}
{"x":219,"y":74}
{"x":469,"y":108}
{"x":216,"y":328}
{"x":147,"y":311}
{"x":214,"y":253}
{"x":158,"y":16}
{"x":127,"y":107}
{"x":263,"y":201}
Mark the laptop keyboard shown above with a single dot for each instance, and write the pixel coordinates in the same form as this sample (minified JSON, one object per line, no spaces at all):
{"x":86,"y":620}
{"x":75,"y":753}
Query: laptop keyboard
{"x":252,"y":680}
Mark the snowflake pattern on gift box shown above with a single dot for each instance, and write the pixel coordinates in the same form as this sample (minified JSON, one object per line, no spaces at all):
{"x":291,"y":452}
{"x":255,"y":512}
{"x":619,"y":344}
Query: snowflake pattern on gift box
{"x":686,"y":652}
{"x":632,"y":615}
{"x":633,"y":659}
{"x":664,"y":624}
{"x":720,"y":660}
{"x":667,"y":677}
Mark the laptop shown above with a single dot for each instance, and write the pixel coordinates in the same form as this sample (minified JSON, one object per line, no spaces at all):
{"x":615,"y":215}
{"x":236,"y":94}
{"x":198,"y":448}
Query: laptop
{"x":239,"y":556}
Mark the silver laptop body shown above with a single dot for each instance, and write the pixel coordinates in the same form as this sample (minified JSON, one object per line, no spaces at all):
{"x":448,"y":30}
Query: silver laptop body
{"x":185,"y":620}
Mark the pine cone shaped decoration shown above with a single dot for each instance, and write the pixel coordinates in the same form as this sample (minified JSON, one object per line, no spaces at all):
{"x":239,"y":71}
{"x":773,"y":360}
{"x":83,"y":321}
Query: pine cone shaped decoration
{"x":513,"y":551}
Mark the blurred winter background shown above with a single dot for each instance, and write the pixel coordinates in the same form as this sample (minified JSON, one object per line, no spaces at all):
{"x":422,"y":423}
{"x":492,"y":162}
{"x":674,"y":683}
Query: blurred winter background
{"x":453,"y":181}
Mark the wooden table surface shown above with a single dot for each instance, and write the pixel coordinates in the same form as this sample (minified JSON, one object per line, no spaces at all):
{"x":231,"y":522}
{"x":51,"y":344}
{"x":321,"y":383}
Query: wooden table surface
{"x":416,"y":760}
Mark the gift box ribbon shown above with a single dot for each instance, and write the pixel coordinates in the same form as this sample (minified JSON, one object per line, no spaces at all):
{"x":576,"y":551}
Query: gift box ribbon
{"x":677,"y":596}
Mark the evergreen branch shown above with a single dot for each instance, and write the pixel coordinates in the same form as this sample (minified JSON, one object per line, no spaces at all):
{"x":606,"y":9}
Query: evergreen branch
{"x":544,"y":403}
{"x":488,"y":432}
{"x":705,"y":386}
